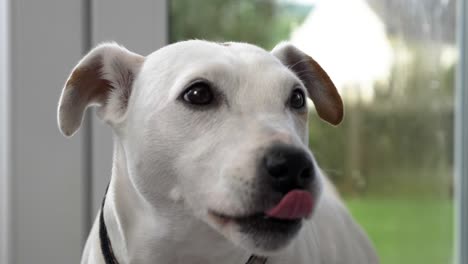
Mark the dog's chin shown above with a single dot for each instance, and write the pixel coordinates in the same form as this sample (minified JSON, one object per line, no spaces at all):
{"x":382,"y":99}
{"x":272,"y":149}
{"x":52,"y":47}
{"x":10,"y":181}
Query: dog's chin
{"x":257,"y":233}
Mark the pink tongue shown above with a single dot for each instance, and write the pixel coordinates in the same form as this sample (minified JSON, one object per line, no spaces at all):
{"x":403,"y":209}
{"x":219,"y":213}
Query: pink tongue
{"x":294,"y":205}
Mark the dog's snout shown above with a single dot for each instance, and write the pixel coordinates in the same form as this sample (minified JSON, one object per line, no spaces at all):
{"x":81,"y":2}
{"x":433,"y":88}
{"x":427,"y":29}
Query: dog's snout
{"x":288,"y":168}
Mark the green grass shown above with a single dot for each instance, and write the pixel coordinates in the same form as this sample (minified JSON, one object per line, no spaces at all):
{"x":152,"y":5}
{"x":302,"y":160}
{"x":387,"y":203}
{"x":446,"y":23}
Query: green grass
{"x":407,"y":231}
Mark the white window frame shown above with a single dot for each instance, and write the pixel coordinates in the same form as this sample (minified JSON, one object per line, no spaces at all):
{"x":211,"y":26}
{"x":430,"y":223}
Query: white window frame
{"x":4,"y":133}
{"x":461,"y":139}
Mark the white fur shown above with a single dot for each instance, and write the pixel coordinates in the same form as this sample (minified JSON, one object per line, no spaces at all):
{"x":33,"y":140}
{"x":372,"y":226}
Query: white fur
{"x":172,"y":164}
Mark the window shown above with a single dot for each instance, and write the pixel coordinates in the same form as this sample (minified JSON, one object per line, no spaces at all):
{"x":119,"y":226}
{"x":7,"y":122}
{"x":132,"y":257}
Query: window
{"x":394,"y":64}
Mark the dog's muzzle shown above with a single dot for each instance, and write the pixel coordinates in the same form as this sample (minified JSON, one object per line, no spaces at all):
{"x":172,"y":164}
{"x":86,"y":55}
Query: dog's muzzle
{"x":287,"y":190}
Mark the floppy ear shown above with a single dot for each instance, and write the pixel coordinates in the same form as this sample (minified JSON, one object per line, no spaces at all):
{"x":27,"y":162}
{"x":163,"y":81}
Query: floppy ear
{"x":321,"y":89}
{"x":104,"y":77}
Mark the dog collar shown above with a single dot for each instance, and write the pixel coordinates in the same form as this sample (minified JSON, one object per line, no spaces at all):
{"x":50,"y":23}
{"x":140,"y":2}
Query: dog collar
{"x":108,"y":252}
{"x":106,"y":245}
{"x":256,"y":260}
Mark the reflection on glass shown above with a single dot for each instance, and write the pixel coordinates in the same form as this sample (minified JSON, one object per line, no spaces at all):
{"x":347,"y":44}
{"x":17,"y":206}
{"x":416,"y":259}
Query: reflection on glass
{"x":393,"y":62}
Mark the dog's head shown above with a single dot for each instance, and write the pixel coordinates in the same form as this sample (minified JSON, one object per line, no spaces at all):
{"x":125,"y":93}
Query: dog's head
{"x":221,"y":127}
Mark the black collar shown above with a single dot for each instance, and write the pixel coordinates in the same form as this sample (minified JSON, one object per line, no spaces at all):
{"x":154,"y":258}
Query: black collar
{"x":108,"y":253}
{"x":254,"y":259}
{"x":106,"y":245}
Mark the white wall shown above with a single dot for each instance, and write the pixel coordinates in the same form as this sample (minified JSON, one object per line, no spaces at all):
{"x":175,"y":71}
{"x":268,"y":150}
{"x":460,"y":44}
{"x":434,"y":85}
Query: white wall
{"x":46,"y":169}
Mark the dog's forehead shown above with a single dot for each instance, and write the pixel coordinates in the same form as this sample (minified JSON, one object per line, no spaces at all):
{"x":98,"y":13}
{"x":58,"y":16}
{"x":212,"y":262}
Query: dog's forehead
{"x":198,"y":53}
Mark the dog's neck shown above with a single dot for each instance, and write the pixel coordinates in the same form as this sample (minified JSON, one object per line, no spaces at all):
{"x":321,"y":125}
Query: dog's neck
{"x":139,"y":233}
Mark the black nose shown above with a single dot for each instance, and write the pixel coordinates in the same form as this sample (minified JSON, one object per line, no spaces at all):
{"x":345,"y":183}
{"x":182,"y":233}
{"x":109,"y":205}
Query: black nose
{"x":288,"y":168}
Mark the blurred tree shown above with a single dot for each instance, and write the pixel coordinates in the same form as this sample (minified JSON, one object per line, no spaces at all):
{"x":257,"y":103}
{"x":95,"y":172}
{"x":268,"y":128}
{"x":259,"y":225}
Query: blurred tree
{"x":405,"y":135}
{"x":429,"y":20}
{"x":262,"y":22}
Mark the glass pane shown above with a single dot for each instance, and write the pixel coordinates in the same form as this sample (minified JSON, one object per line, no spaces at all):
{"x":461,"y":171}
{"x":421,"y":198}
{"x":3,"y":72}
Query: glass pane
{"x":393,"y":62}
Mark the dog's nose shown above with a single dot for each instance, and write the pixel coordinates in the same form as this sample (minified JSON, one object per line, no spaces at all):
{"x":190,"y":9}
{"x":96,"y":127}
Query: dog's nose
{"x":288,"y":168}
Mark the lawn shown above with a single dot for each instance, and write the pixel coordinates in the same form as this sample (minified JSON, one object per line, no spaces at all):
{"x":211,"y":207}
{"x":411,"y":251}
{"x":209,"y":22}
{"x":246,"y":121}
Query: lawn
{"x":407,"y":231}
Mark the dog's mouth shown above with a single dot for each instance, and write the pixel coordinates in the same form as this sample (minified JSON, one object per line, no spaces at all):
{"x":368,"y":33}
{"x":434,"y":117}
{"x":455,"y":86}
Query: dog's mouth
{"x":265,"y":233}
{"x":258,"y":222}
{"x":284,"y":217}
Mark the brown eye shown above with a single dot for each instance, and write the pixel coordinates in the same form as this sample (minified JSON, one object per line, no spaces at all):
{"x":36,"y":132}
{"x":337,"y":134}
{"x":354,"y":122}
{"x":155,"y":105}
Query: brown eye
{"x":297,"y":99}
{"x":198,"y":94}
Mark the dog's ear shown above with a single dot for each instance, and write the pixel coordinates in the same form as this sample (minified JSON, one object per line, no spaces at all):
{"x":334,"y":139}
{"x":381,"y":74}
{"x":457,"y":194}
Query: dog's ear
{"x":321,"y":89}
{"x":104,"y":77}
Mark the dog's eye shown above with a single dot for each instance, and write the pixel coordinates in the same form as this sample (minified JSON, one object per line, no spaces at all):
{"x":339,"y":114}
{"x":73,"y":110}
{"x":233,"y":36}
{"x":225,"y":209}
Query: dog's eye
{"x":198,"y":94}
{"x":297,"y":99}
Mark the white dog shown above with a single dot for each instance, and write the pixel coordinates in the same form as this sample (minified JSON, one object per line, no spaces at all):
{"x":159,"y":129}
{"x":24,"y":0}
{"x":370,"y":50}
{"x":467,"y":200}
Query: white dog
{"x":211,"y":163}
